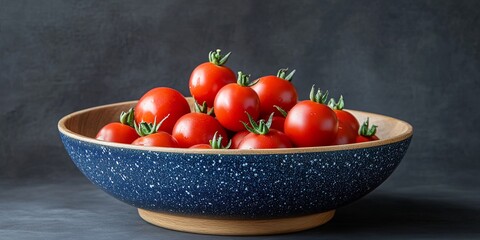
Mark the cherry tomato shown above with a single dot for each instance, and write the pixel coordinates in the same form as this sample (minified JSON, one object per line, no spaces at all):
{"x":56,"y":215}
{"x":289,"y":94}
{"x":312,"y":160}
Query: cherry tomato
{"x":208,"y":78}
{"x":345,"y":134}
{"x":361,"y":138}
{"x":312,"y":123}
{"x":262,"y":137}
{"x":343,"y":115}
{"x":238,"y":138}
{"x":197,"y":128}
{"x":367,"y":133}
{"x":276,"y":90}
{"x":158,"y":103}
{"x":233,"y":100}
{"x":278,"y":123}
{"x":159,"y":139}
{"x":273,"y":139}
{"x":201,"y":146}
{"x":119,"y":132}
{"x":214,"y":143}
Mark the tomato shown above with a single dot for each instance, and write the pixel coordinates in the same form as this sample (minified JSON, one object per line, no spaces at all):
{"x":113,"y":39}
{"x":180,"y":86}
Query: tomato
{"x":312,"y":123}
{"x":158,"y":103}
{"x":343,"y":115}
{"x":214,"y":143}
{"x":276,"y":90}
{"x":208,"y":78}
{"x":197,"y":128}
{"x":238,"y":138}
{"x":367,"y":133}
{"x":262,"y":137}
{"x":119,"y":132}
{"x":278,"y":122}
{"x":201,"y":146}
{"x":159,"y":139}
{"x":233,"y":100}
{"x":345,"y":134}
{"x":151,"y":136}
{"x":274,"y":139}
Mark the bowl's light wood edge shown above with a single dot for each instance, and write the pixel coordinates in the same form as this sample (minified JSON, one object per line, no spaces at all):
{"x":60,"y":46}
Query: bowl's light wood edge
{"x":234,"y":226}
{"x":83,"y":125}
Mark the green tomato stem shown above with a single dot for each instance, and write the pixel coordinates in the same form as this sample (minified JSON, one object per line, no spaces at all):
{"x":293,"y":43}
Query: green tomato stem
{"x":216,"y":57}
{"x":318,"y":96}
{"x":367,"y":131}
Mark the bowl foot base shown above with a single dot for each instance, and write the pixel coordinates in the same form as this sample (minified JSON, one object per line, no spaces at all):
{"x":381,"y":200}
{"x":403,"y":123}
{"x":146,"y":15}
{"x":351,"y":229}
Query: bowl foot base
{"x":235,"y":226}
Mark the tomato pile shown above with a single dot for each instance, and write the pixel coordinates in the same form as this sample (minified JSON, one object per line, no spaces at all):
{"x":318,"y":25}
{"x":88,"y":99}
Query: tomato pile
{"x":231,"y":111}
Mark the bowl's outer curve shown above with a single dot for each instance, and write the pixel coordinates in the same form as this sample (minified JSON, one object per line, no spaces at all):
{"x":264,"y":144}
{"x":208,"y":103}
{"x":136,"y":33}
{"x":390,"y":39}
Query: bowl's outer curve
{"x":242,"y":186}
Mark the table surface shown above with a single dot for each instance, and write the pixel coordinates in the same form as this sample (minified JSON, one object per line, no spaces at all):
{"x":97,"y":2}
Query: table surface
{"x":75,"y":209}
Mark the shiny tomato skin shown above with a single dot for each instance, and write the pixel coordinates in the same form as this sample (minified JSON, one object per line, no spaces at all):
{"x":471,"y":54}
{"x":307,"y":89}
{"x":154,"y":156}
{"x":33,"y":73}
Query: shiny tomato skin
{"x":278,"y":123}
{"x":201,"y":146}
{"x":159,"y":139}
{"x":310,"y":124}
{"x":273,"y":139}
{"x":117,"y":132}
{"x":345,"y":116}
{"x":238,"y":138}
{"x":231,"y":103}
{"x":159,"y":102}
{"x":273,"y":90}
{"x":361,"y":138}
{"x":207,"y":79}
{"x":345,"y":134}
{"x":197,"y":128}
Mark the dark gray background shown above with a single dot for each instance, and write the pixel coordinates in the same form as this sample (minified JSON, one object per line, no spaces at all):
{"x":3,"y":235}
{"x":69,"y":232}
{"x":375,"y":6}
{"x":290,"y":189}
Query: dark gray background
{"x":414,"y":60}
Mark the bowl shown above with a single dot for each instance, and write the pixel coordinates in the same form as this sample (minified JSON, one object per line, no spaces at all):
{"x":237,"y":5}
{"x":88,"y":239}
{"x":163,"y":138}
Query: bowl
{"x":233,"y":192}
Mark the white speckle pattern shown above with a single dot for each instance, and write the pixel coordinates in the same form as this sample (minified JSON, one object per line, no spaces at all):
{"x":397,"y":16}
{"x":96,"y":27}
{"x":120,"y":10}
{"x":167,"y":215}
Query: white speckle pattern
{"x":243,"y":186}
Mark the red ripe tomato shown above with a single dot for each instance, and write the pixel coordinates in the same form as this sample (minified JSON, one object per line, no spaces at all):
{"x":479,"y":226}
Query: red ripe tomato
{"x":367,"y":133}
{"x":117,"y":132}
{"x":215,"y":143}
{"x":278,"y":123}
{"x":201,"y":146}
{"x":276,"y":90}
{"x":159,"y":139}
{"x":233,"y":100}
{"x":345,"y":134}
{"x":238,"y":138}
{"x":342,"y":115}
{"x":348,"y":118}
{"x":208,"y":78}
{"x":197,"y":128}
{"x":312,"y":123}
{"x":361,"y":138}
{"x":273,"y":139}
{"x":158,"y":103}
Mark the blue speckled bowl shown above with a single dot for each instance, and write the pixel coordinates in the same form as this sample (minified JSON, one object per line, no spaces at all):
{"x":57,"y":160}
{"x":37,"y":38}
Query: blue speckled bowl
{"x":232,"y":184}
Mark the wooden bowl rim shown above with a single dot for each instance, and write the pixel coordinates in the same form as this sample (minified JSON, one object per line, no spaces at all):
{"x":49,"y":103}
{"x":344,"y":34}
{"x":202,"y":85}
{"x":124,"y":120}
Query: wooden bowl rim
{"x":408,"y":132}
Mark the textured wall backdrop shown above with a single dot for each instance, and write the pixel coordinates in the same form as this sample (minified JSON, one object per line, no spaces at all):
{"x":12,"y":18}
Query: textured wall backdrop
{"x":414,"y":60}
